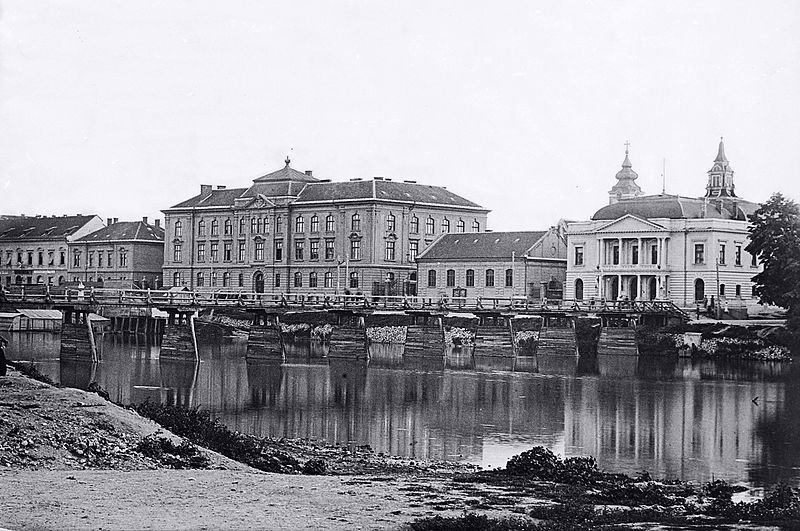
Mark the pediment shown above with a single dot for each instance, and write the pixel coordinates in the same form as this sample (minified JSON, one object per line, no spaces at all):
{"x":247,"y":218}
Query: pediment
{"x":260,"y":201}
{"x":631,"y":223}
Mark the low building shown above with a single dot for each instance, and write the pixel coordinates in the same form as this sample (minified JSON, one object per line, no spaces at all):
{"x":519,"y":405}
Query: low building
{"x":495,"y":265}
{"x":33,"y":250}
{"x":665,"y":247}
{"x":123,"y":254}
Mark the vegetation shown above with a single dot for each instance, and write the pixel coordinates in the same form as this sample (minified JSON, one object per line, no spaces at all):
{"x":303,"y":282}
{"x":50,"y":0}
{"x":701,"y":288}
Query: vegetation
{"x":30,"y":370}
{"x":163,"y":450}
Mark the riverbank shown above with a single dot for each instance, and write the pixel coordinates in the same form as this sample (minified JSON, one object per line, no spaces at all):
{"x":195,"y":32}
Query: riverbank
{"x":114,"y":479}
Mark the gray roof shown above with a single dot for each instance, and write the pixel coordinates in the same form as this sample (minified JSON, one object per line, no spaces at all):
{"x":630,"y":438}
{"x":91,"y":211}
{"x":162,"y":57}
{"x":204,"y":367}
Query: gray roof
{"x":126,"y":230}
{"x":677,"y":207}
{"x":481,"y":245}
{"x":41,"y":228}
{"x":219,"y":198}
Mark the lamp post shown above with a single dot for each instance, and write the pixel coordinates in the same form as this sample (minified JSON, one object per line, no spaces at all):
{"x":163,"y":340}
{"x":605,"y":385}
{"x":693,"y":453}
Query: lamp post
{"x":717,"y":306}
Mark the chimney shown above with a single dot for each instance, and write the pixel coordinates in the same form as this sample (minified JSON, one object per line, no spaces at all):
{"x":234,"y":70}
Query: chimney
{"x":116,"y":220}
{"x":158,"y":223}
{"x":144,"y":220}
{"x":220,"y":187}
{"x":109,"y":221}
{"x":310,"y":173}
{"x":205,"y":189}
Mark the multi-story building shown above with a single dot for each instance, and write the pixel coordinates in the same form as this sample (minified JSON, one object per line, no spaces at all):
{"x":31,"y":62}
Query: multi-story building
{"x":495,"y":265}
{"x":33,"y":250}
{"x":122,"y":254}
{"x":664,"y":246}
{"x":291,"y":232}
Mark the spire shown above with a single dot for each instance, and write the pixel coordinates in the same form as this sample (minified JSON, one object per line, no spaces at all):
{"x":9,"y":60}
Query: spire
{"x":720,"y":176}
{"x":721,"y":152}
{"x":625,"y":188}
{"x":287,"y":161}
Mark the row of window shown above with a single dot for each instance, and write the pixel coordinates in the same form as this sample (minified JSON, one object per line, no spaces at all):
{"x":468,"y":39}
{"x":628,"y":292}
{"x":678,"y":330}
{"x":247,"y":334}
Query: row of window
{"x":19,"y":279}
{"x":297,"y":280}
{"x":90,"y":259}
{"x":700,"y":255}
{"x":261,"y":225}
{"x":390,"y":253}
{"x":28,"y":258}
{"x":450,"y":278}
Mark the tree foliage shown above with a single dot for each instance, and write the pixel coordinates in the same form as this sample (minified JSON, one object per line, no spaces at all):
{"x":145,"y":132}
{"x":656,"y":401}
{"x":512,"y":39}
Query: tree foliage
{"x":775,"y":240}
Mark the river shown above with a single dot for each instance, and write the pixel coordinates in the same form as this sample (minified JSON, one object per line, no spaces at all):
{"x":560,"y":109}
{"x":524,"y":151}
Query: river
{"x":673,"y":417}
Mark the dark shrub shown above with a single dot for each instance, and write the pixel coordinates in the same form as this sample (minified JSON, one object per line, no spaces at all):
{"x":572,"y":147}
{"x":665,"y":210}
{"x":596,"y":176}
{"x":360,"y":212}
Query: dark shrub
{"x":538,"y":462}
{"x":315,"y":467}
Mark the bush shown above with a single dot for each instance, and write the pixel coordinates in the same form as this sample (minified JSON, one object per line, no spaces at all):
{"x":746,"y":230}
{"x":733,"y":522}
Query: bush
{"x":538,"y":462}
{"x":163,"y":450}
{"x":315,"y":467}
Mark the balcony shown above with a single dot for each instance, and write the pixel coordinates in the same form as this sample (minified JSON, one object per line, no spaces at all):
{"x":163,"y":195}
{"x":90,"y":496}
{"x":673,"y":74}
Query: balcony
{"x":632,"y":268}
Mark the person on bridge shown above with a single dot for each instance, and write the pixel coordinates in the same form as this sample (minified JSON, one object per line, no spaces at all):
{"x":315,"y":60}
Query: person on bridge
{"x":3,"y":343}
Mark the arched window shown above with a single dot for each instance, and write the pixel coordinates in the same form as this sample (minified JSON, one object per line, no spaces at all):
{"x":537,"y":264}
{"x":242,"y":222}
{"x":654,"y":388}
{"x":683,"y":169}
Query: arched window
{"x":201,"y":279}
{"x":430,"y":225}
{"x":738,"y":290}
{"x":176,"y":278}
{"x":578,"y":289}
{"x":314,"y":223}
{"x":509,"y":278}
{"x":278,"y":224}
{"x":254,"y":225}
{"x":355,"y":222}
{"x":266,"y":224}
{"x":476,"y":227}
{"x":329,"y":223}
{"x":390,"y":222}
{"x":213,"y":279}
{"x":201,"y":228}
{"x":226,"y":279}
{"x":470,"y":278}
{"x":431,"y":278}
{"x":312,"y":280}
{"x":414,"y":225}
{"x":299,"y":224}
{"x":451,"y":278}
{"x":242,"y":226}
{"x":178,"y":229}
{"x":18,"y":279}
{"x":354,"y":279}
{"x":228,"y":228}
{"x":39,"y":279}
{"x":699,"y":289}
{"x":460,"y":226}
{"x":298,"y":280}
{"x":328,"y":279}
{"x":214,"y":227}
{"x":490,"y":278}
{"x":445,"y":225}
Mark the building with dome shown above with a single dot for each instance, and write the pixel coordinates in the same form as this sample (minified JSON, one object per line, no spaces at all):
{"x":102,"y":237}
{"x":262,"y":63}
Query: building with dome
{"x":665,"y":247}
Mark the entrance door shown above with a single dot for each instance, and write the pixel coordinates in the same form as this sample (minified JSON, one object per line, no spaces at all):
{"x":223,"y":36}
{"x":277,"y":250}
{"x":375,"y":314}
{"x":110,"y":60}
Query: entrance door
{"x":634,"y":289}
{"x":258,"y":281}
{"x":699,"y":289}
{"x":653,"y":288}
{"x":614,"y":288}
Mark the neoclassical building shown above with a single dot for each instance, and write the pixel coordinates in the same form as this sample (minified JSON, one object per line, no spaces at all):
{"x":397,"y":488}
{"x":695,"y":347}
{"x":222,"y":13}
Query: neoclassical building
{"x":292,"y":232}
{"x":668,"y":247}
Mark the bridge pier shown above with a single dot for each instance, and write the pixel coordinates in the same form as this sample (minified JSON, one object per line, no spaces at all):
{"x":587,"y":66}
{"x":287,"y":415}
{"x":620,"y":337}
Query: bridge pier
{"x":180,"y":339}
{"x":349,"y":337}
{"x":558,"y":336}
{"x":617,"y":336}
{"x":264,"y":341}
{"x":494,"y":335}
{"x":425,"y":336}
{"x":77,"y":336}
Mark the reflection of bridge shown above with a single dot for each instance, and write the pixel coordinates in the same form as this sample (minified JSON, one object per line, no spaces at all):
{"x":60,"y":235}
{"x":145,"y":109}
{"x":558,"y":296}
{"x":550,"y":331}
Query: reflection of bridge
{"x":347,"y":315}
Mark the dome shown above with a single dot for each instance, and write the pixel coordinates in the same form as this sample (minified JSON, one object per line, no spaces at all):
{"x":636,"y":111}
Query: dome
{"x":676,"y":207}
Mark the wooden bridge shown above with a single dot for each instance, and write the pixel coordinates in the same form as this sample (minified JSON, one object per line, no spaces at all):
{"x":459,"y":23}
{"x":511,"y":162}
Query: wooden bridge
{"x":347,"y":314}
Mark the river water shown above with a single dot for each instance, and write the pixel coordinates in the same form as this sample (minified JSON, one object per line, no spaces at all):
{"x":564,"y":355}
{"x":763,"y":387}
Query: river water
{"x":673,"y":417}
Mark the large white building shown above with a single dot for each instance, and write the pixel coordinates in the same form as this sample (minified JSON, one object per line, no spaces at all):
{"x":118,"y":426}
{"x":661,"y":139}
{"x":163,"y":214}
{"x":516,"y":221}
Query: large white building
{"x":667,"y":247}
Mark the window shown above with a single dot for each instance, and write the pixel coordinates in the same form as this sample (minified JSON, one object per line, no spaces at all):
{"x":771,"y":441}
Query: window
{"x":615,"y":255}
{"x":241,"y":280}
{"x":298,"y":279}
{"x":699,"y":253}
{"x":99,"y":259}
{"x":176,"y":278}
{"x":329,"y":224}
{"x":214,"y":251}
{"x":722,"y":290}
{"x":451,"y":278}
{"x":431,"y":278}
{"x":299,"y":247}
{"x":259,"y":251}
{"x":635,"y":254}
{"x":509,"y":278}
{"x":177,"y":252}
{"x":19,"y":257}
{"x":445,"y":225}
{"x":330,"y":249}
{"x":390,"y":250}
{"x":201,"y":228}
{"x":355,"y":222}
{"x":314,"y":251}
{"x":278,"y":224}
{"x":110,"y":258}
{"x":277,"y":280}
{"x":490,"y":278}
{"x":299,"y":224}
{"x":41,"y":258}
{"x":90,"y":258}
{"x":312,"y":280}
{"x":242,"y":226}
{"x":241,"y":251}
{"x":213,"y":281}
{"x":413,"y":250}
{"x":461,"y":226}
{"x":265,"y":222}
{"x":314,"y":223}
{"x":738,"y":290}
{"x":214,"y":227}
{"x":123,"y":258}
{"x":753,"y":290}
{"x":201,"y":252}
{"x":414,"y":225}
{"x":226,"y":251}
{"x":30,"y":257}
{"x":721,"y":254}
{"x":200,"y":279}
{"x":328,"y":279}
{"x":62,"y":258}
{"x":254,"y":225}
{"x":470,"y":278}
{"x":578,"y":289}
{"x":699,"y":290}
{"x":654,"y":254}
{"x":390,"y":221}
{"x":354,"y":279}
{"x":355,"y":250}
{"x":430,"y":225}
{"x":476,"y":227}
{"x":737,"y":257}
{"x":278,"y":250}
{"x":753,"y":260}
{"x":226,"y":279}
{"x":578,"y":255}
{"x":178,"y":230}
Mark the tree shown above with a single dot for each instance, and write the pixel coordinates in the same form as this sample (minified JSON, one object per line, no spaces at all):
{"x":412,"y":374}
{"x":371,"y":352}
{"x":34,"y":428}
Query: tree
{"x":775,"y":241}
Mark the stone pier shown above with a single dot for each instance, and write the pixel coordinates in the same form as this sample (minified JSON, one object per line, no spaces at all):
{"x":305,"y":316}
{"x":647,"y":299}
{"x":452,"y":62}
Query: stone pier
{"x":264,"y":341}
{"x":349,"y":337}
{"x":617,"y":336}
{"x":494,"y":335}
{"x":557,"y":336}
{"x":425,"y":336}
{"x":180,"y":340}
{"x":77,"y":336}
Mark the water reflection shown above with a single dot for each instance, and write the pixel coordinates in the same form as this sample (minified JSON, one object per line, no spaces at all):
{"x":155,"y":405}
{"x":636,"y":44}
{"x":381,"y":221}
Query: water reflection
{"x":670,"y":416}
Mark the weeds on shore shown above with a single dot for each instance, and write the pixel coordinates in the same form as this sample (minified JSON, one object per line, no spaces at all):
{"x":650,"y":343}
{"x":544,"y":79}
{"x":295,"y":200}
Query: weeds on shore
{"x":29,"y":369}
{"x":182,"y":456}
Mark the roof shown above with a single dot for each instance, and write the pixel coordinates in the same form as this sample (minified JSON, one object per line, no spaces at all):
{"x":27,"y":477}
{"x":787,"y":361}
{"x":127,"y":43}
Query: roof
{"x":481,"y":245}
{"x":381,"y":189}
{"x":41,"y":227}
{"x":677,"y":207}
{"x":126,"y":230}
{"x":286,"y":174}
{"x":40,"y":314}
{"x":219,"y":198}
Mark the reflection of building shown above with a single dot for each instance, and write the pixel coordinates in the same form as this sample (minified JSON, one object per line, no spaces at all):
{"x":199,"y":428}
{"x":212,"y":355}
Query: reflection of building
{"x":291,"y":232}
{"x":664,"y":246}
{"x":127,"y":252}
{"x":495,"y":264}
{"x":33,"y":250}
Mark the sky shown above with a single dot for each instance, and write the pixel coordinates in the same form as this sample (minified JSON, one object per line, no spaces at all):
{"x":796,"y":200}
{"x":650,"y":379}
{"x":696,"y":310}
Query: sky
{"x":124,"y":108}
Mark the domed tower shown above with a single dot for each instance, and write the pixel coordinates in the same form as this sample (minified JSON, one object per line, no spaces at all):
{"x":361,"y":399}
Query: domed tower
{"x":626,"y":186}
{"x":720,"y":176}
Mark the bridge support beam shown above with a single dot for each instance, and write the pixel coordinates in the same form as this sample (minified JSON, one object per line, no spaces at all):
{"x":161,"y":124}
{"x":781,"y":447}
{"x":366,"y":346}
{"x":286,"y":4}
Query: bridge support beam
{"x":494,"y":335}
{"x":617,"y":336}
{"x":557,"y":336}
{"x":180,"y":339}
{"x":425,"y":337}
{"x":264,"y":341}
{"x":77,"y":336}
{"x":349,"y":337}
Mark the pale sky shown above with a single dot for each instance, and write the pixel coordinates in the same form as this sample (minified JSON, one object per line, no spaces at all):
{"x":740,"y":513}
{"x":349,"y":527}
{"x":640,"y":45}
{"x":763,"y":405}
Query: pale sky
{"x":123,"y":108}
